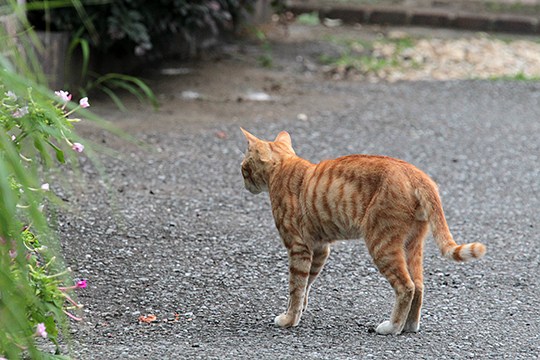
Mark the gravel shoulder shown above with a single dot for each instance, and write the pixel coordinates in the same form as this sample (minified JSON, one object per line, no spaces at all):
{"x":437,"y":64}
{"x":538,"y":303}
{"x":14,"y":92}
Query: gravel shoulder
{"x":174,"y":233}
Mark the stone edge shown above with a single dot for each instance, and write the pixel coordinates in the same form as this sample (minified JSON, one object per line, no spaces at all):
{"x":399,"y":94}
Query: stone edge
{"x":520,"y":24}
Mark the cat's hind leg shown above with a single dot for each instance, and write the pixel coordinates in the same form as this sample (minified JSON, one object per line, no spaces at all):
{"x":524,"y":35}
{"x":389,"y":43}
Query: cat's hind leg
{"x":389,"y":256}
{"x":320,"y":255}
{"x":414,"y":250}
{"x":300,"y":258}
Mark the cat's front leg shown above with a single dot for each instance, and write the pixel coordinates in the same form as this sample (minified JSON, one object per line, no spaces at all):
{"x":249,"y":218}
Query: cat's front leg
{"x":300,"y":257}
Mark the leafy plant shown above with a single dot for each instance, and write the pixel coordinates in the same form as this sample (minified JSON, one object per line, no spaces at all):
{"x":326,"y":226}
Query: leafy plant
{"x":37,"y":128}
{"x":138,"y":25}
{"x":104,"y":28}
{"x":37,"y":133}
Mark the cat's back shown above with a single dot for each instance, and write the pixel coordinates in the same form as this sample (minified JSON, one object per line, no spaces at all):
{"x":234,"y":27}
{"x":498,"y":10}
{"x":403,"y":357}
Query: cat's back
{"x":372,"y":161}
{"x":367,"y":173}
{"x":374,"y":167}
{"x":338,"y":192}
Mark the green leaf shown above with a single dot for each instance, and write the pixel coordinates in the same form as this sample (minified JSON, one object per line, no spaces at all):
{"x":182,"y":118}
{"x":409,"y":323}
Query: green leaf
{"x":85,"y":50}
{"x":52,"y":329}
{"x":59,"y":152}
{"x":134,"y":85}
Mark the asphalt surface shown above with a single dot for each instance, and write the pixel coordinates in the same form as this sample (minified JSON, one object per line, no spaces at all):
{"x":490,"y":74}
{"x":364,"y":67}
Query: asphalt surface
{"x":175,"y":232}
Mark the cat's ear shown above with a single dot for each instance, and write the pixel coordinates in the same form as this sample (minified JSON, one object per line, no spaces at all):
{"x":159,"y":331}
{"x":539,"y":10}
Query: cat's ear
{"x":285,"y":138}
{"x":252,"y":139}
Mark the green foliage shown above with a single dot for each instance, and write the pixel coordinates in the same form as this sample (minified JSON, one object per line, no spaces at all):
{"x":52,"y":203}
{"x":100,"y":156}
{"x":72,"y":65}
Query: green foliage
{"x":402,"y":43}
{"x":138,"y":25}
{"x":520,"y":76}
{"x":265,"y":60}
{"x":310,"y":19}
{"x":35,"y":122}
{"x":133,"y":85}
{"x":36,"y":134}
{"x":362,"y":56}
{"x":135,"y":27}
{"x":110,"y":82}
{"x":36,"y":130}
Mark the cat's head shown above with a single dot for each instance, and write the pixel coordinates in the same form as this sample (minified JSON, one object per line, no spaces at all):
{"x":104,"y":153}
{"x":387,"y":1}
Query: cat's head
{"x":261,"y":157}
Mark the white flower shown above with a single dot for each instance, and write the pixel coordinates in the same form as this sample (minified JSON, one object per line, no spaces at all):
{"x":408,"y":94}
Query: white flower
{"x":10,"y":94}
{"x":84,"y":102}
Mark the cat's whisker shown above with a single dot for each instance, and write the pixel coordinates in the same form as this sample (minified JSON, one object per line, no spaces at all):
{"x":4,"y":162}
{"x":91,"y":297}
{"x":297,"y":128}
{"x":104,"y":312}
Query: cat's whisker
{"x":240,"y":152}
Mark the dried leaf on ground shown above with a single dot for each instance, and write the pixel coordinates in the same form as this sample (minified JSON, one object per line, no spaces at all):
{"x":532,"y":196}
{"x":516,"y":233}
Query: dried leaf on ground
{"x":147,"y":318}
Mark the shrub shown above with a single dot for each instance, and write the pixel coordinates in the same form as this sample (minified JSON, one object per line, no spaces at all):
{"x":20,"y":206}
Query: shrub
{"x":36,"y":133}
{"x":137,"y":26}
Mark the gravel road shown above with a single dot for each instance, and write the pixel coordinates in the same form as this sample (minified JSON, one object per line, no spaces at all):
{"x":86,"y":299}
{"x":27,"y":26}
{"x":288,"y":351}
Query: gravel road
{"x":175,"y":234}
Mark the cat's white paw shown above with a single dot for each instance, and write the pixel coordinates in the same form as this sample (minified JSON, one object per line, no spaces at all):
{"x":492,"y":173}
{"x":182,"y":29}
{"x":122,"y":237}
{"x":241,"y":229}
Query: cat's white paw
{"x":411,"y":327}
{"x":285,"y":321}
{"x":387,"y":328}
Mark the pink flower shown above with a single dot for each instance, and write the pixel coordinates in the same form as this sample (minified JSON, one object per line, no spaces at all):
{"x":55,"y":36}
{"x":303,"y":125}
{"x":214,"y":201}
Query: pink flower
{"x":64,"y":95}
{"x":12,"y":253}
{"x":19,"y":113}
{"x":81,"y":284}
{"x":41,"y":330}
{"x":78,"y":147}
{"x":84,"y":102}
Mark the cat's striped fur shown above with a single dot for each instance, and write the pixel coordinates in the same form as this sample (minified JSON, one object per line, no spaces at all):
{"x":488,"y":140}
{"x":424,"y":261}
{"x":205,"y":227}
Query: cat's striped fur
{"x":388,"y":202}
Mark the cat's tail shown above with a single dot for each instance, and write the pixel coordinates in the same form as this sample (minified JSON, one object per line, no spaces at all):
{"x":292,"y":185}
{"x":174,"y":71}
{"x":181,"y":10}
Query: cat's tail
{"x":431,"y":210}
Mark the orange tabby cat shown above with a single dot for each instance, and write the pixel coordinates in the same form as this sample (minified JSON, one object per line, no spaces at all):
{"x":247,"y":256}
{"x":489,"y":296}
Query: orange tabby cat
{"x":388,"y":202}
